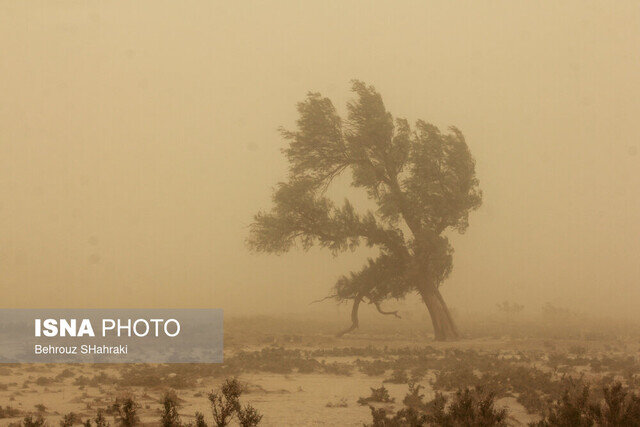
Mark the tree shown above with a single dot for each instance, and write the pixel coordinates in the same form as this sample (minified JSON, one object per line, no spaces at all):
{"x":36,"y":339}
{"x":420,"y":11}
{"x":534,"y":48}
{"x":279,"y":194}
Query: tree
{"x":226,"y":405}
{"x":422,"y":181}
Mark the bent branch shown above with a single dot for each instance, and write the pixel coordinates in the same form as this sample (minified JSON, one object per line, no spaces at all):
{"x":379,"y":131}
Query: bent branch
{"x":381,"y":311}
{"x":354,"y":316}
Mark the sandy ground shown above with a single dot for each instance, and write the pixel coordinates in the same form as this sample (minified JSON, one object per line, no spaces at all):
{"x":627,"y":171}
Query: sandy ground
{"x":292,"y":399}
{"x":285,"y":400}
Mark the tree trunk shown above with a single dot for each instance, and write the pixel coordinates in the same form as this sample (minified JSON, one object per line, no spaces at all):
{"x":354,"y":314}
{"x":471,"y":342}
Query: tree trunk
{"x":443,"y":326}
{"x":354,"y":316}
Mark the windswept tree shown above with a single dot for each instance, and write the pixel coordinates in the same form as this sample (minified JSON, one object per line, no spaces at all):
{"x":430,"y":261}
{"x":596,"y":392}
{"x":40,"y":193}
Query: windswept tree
{"x":422,"y":181}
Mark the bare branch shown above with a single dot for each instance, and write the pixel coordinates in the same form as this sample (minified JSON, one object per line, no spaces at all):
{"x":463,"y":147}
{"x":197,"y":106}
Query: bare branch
{"x":381,"y":311}
{"x":323,"y":299}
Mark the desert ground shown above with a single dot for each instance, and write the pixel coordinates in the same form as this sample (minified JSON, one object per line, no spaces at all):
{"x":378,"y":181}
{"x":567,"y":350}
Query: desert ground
{"x":296,"y":372}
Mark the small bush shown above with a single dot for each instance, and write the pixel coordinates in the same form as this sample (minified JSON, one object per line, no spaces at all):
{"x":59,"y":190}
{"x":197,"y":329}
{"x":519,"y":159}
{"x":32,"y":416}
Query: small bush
{"x":100,"y":420}
{"x":70,"y":419}
{"x":249,"y":416}
{"x":377,"y":395}
{"x":577,"y":407}
{"x":125,"y":411}
{"x":170,"y":417}
{"x":342,"y":403}
{"x":67,"y":373}
{"x":43,"y":381}
{"x":398,"y":376}
{"x":374,"y":368}
{"x":30,"y":421}
{"x":468,"y":408}
{"x":200,"y":420}
{"x":454,"y":378}
{"x":9,"y":412}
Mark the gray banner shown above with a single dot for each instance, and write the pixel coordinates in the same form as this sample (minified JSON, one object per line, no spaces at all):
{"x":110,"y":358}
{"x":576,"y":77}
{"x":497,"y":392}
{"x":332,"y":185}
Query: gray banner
{"x":111,"y":336}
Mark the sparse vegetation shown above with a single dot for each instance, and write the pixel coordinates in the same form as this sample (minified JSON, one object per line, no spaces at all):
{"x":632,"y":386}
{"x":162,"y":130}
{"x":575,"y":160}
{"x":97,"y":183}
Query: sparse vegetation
{"x":342,"y":403}
{"x":100,"y":419}
{"x":578,"y":407}
{"x":398,"y":376}
{"x":9,"y":412}
{"x":469,"y":407}
{"x":531,"y":373}
{"x":70,"y":419}
{"x":33,"y":421}
{"x":200,"y":422}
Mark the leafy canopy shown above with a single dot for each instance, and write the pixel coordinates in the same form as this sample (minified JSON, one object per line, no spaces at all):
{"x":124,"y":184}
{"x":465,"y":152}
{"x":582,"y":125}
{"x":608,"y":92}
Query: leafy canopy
{"x":422,"y":181}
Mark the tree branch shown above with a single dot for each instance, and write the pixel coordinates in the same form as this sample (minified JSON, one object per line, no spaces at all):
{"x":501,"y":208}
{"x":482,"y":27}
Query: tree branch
{"x":322,"y":299}
{"x":381,"y":311}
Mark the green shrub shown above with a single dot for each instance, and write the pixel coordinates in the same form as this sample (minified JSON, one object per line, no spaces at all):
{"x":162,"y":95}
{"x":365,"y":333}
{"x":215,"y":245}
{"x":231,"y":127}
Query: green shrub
{"x":377,"y":395}
{"x":372,"y":368}
{"x":469,"y":407}
{"x":125,"y":411}
{"x":70,"y":419}
{"x":249,"y":416}
{"x":9,"y":412}
{"x":100,"y":420}
{"x":200,"y":420}
{"x":577,"y":407}
{"x":30,"y":421}
{"x":170,"y":416}
{"x":66,"y":373}
{"x":43,"y":381}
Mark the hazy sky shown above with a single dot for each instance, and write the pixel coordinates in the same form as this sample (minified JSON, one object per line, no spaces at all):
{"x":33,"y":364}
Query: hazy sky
{"x":137,"y":139}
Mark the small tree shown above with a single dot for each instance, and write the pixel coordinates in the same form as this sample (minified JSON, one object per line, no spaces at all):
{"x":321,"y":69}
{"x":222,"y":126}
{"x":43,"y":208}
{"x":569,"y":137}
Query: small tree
{"x":422,"y":180}
{"x":225,"y":405}
{"x":226,"y":402}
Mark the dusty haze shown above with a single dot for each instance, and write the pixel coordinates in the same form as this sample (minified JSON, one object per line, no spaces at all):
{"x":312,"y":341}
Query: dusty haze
{"x":137,"y":141}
